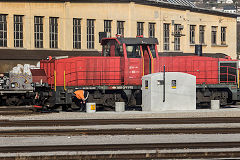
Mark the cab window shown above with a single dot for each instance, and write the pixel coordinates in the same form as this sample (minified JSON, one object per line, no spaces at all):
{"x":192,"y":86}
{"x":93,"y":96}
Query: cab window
{"x":133,"y":51}
{"x":118,"y":50}
{"x":106,"y":50}
{"x":112,"y":49}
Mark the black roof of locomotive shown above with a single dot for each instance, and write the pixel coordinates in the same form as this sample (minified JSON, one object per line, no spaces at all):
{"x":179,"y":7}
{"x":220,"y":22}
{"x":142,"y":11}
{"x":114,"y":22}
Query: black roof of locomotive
{"x":138,"y":40}
{"x":131,"y":41}
{"x":20,"y":54}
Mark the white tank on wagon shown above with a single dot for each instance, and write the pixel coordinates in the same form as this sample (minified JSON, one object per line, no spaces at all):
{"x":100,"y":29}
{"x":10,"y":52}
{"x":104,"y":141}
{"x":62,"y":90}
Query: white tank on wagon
{"x":21,"y":77}
{"x":177,"y":91}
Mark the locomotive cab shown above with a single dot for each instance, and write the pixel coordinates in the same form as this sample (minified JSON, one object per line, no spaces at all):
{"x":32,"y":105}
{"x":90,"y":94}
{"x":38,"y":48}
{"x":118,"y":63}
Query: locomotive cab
{"x":115,"y":76}
{"x":138,"y":56}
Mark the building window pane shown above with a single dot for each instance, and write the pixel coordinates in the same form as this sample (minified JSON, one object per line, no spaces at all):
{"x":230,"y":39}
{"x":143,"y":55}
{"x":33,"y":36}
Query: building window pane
{"x":151,"y":29}
{"x":90,"y":33}
{"x":53,"y":32}
{"x":77,"y":33}
{"x":38,"y":31}
{"x":3,"y":30}
{"x":140,"y":28}
{"x":166,"y":32}
{"x":120,"y":28}
{"x":108,"y":26}
{"x":214,"y":35}
{"x":201,"y":34}
{"x":223,"y":35}
{"x":192,"y":34}
{"x":177,"y":35}
{"x":18,"y":31}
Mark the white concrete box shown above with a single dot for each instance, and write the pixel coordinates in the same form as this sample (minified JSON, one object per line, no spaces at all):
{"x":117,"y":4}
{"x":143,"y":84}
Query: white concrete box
{"x":119,"y":106}
{"x":176,"y":92}
{"x":91,"y":107}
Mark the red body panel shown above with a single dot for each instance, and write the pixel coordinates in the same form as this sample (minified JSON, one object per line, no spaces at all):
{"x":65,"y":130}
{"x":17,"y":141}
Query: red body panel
{"x":206,"y":69}
{"x":81,"y":71}
{"x":93,"y":71}
{"x":133,"y":71}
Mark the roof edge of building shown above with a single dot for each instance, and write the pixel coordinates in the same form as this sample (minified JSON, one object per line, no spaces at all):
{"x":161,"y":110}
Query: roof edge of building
{"x":143,"y":2}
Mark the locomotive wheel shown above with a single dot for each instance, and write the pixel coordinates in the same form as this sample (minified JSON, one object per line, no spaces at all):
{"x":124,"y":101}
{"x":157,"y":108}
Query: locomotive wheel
{"x":109,"y":102}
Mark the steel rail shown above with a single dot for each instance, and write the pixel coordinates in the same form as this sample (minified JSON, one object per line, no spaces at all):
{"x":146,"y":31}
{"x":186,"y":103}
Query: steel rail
{"x":15,"y":107}
{"x":17,"y":110}
{"x":18,"y":113}
{"x":118,"y":147}
{"x":143,"y":131}
{"x":145,"y":156}
{"x":81,"y":122}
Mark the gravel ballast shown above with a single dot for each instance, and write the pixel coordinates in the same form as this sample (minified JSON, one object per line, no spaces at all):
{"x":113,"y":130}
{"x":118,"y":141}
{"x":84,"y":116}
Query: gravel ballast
{"x":118,"y":139}
{"x":230,"y":112}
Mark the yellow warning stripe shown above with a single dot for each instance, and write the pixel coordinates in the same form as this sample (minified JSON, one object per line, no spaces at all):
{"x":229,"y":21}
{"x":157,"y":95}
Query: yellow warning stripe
{"x":151,"y":59}
{"x":64,"y":77}
{"x":238,"y":78}
{"x":142,"y":59}
{"x":55,"y":81}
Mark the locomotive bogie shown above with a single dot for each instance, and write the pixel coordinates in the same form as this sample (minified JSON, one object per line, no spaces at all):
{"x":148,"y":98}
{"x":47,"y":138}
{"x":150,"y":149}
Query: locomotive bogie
{"x":108,"y":97}
{"x":205,"y":96}
{"x":12,"y":98}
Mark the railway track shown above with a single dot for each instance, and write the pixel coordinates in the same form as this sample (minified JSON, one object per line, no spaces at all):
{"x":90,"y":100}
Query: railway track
{"x":144,"y":131}
{"x":16,"y":113}
{"x":82,"y":122}
{"x":156,"y":148}
{"x":18,"y":110}
{"x":15,"y":108}
{"x":119,"y":147}
{"x":145,"y":156}
{"x":121,"y":151}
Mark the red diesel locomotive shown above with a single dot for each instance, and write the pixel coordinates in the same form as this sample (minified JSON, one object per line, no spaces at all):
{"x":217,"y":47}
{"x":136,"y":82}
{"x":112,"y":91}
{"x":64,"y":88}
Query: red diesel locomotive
{"x":116,"y":74}
{"x":113,"y":76}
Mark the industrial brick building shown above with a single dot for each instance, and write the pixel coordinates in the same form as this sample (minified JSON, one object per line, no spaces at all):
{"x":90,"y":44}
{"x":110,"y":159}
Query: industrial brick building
{"x":74,"y":25}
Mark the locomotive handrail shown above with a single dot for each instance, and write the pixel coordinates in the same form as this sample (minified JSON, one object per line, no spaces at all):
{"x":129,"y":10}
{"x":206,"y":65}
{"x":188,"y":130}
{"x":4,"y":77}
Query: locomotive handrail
{"x":228,"y":74}
{"x":229,"y":67}
{"x":235,"y":77}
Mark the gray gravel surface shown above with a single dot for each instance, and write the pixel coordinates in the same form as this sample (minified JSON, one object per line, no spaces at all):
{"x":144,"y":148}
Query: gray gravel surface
{"x":146,"y":126}
{"x":119,"y":139}
{"x":118,"y":152}
{"x":122,"y":139}
{"x":232,"y":112}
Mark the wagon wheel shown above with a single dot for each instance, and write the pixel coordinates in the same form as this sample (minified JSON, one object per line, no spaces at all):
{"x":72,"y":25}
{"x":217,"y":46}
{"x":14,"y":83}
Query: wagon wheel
{"x":21,"y":101}
{"x":12,"y":101}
